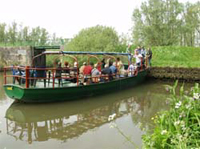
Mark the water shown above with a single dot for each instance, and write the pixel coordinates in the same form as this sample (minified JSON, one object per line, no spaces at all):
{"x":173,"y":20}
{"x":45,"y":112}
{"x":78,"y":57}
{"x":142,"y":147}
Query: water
{"x":111,"y":121}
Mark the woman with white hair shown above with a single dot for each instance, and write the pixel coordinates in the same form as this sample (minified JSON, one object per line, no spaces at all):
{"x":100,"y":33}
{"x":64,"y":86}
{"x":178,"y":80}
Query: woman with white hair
{"x":95,"y":74}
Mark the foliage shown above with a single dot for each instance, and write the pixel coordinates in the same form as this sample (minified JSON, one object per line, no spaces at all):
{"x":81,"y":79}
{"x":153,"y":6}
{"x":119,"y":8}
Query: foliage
{"x":19,"y":35}
{"x":166,"y":22}
{"x":98,"y":38}
{"x":175,"y":56}
{"x":180,"y":126}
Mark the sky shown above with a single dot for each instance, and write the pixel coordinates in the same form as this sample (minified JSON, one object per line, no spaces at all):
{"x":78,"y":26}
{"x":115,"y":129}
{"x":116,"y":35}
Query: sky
{"x":67,"y":17}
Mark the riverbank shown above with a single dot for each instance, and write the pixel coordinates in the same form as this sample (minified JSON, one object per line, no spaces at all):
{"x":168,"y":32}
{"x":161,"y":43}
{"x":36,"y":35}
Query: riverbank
{"x":165,"y":56}
{"x":175,"y":73}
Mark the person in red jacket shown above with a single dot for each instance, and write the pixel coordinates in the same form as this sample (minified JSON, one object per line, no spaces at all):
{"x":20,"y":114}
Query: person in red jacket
{"x":87,"y":72}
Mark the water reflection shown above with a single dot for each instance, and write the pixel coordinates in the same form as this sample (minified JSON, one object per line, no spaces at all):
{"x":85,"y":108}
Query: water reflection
{"x":63,"y":121}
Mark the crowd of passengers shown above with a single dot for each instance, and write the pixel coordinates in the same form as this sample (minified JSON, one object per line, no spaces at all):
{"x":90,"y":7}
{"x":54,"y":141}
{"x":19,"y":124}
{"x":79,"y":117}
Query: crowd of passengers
{"x":106,"y":70}
{"x":103,"y":71}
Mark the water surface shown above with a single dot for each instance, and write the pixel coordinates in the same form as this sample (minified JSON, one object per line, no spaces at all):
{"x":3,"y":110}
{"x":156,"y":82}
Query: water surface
{"x":106,"y":121}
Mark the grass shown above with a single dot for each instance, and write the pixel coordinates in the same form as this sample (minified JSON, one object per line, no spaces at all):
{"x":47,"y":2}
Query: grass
{"x":180,"y":126}
{"x":176,"y":57}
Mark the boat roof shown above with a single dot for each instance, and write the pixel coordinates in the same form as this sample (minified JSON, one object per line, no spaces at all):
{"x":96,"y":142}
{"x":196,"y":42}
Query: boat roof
{"x":85,"y":53}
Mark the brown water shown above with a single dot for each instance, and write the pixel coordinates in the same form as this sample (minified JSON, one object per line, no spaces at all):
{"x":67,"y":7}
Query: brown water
{"x":103,"y":122}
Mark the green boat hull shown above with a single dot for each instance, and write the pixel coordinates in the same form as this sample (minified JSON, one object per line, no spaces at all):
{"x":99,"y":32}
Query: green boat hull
{"x":38,"y":95}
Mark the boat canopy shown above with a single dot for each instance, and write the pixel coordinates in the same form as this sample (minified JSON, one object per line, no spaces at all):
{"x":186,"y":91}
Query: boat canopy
{"x":85,"y":52}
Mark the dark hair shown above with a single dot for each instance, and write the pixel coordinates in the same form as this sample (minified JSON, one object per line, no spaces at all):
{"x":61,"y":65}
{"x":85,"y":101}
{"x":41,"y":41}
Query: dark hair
{"x":91,"y":63}
{"x":66,"y":63}
{"x":118,"y":58}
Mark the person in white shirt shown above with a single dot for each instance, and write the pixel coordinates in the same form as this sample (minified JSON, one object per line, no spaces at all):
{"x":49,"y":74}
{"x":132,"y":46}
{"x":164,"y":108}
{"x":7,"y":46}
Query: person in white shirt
{"x":138,"y":59}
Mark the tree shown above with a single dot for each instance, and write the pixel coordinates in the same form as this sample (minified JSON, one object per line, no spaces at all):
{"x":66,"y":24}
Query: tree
{"x":98,"y":38}
{"x":43,"y":36}
{"x":2,"y":33}
{"x":12,"y":33}
{"x":165,"y":22}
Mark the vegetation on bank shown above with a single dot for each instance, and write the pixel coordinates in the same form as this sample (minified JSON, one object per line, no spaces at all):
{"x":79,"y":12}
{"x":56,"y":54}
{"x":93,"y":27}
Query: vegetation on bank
{"x":179,"y":127}
{"x":171,"y":56}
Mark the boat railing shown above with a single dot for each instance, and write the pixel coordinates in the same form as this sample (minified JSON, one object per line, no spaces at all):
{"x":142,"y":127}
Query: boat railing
{"x":31,"y":77}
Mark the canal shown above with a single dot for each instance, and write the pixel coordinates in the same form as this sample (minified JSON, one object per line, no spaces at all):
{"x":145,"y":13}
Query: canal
{"x":109,"y":121}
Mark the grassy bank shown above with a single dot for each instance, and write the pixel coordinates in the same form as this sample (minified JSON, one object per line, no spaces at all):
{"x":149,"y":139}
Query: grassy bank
{"x":176,"y":56}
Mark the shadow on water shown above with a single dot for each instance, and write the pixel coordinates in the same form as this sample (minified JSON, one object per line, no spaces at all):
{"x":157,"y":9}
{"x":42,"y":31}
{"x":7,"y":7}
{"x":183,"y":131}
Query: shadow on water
{"x":68,"y":120}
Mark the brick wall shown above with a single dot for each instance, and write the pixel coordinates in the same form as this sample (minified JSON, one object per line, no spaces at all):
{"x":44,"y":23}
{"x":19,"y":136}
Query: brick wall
{"x":15,"y":55}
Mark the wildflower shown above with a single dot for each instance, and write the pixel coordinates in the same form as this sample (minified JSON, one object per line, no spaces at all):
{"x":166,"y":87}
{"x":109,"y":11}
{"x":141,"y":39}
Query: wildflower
{"x":177,"y":123}
{"x":188,"y":106}
{"x":183,"y":113}
{"x":196,"y":96}
{"x":178,"y":104}
{"x":179,"y":137}
{"x":163,"y":132}
{"x":182,"y":123}
{"x":111,"y":117}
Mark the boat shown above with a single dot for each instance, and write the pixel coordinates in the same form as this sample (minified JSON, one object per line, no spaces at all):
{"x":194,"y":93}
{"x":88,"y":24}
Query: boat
{"x":25,"y":92}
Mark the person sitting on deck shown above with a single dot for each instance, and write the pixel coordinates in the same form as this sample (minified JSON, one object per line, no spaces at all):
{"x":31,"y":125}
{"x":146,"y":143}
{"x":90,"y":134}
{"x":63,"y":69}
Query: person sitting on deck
{"x":81,"y":72}
{"x":66,"y":70}
{"x":131,"y":70}
{"x":73,"y":72}
{"x":120,"y":68}
{"x":59,"y":73}
{"x":18,"y":72}
{"x":103,"y":63}
{"x":113,"y":68}
{"x":95,"y":74}
{"x":107,"y":73}
{"x":87,"y":72}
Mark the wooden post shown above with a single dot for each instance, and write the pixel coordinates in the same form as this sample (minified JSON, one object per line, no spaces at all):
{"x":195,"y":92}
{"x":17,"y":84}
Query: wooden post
{"x":27,"y":76}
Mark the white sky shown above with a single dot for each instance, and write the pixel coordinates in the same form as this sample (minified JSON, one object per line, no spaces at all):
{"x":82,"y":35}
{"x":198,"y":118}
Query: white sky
{"x":67,"y":17}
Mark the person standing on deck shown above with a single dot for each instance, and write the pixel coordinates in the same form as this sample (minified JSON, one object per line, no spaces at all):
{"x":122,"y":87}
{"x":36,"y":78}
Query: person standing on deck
{"x":130,"y":56}
{"x":149,"y":55}
{"x":138,"y":59}
{"x":59,"y":73}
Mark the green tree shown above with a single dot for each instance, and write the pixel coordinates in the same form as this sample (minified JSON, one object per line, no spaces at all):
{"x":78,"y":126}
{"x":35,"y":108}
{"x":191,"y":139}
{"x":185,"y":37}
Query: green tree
{"x":166,"y":22}
{"x":26,"y":35}
{"x":43,"y":36}
{"x":12,"y":33}
{"x":98,"y":38}
{"x":2,"y":33}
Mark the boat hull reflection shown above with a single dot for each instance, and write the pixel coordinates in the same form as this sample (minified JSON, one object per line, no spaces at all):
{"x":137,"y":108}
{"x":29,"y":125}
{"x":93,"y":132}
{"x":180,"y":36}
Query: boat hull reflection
{"x":63,"y":121}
